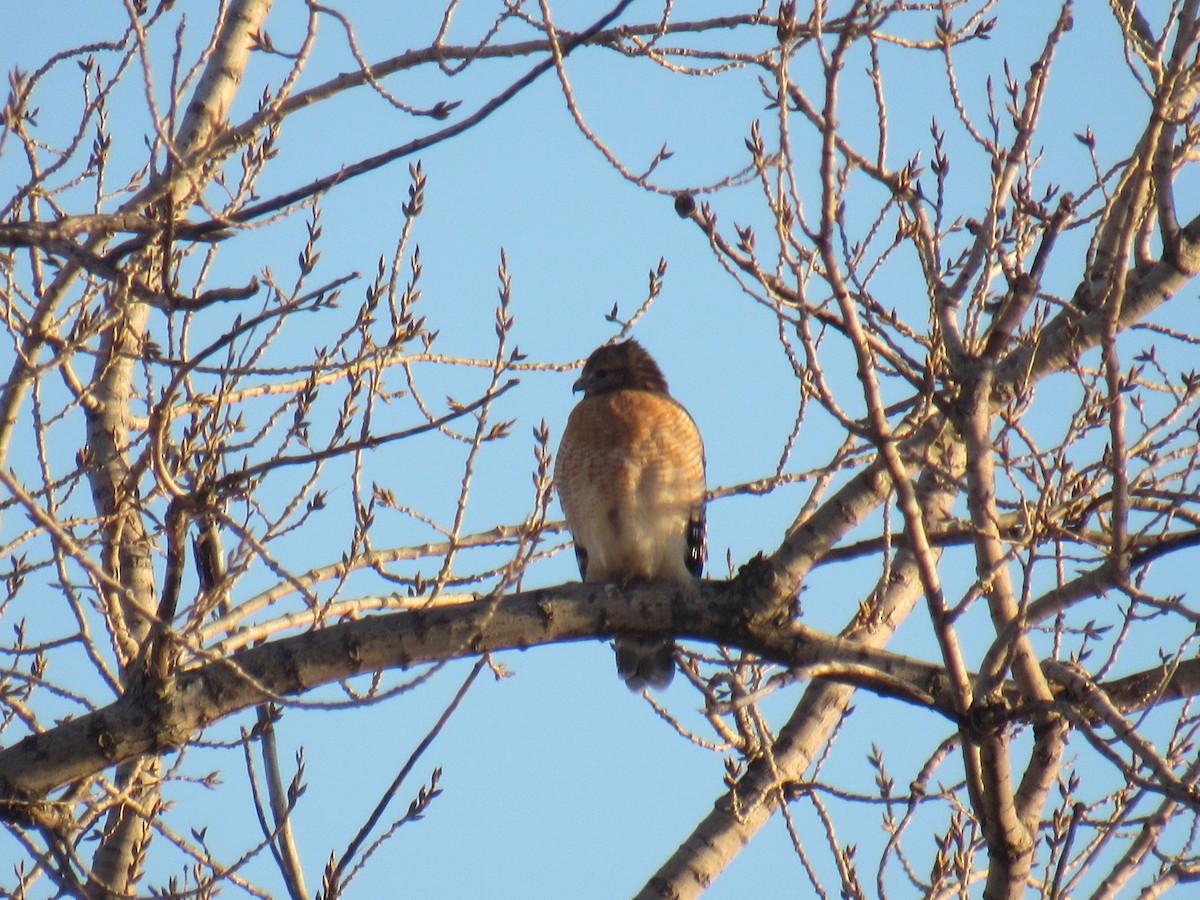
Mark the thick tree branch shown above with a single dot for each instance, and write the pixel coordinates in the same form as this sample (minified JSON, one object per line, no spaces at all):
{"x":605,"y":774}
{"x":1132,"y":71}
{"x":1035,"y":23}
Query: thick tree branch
{"x":164,"y":716}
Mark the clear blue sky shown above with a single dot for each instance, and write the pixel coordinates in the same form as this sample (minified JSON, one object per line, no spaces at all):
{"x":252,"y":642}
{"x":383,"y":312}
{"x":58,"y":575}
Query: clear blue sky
{"x":557,"y":781}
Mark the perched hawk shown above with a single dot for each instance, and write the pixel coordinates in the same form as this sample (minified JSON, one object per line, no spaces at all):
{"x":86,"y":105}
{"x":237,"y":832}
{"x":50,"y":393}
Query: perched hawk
{"x":630,"y":475}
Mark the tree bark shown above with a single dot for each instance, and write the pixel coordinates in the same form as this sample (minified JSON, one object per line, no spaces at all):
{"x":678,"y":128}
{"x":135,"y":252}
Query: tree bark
{"x":128,"y":545}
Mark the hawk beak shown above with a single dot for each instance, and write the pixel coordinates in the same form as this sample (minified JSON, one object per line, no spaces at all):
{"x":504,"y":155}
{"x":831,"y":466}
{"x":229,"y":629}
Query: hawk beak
{"x":579,"y":385}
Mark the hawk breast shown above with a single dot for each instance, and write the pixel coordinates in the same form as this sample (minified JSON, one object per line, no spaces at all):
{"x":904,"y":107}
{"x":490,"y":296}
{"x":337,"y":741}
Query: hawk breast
{"x":630,"y":476}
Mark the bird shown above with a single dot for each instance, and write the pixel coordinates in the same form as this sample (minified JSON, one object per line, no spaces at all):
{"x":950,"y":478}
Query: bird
{"x":630,"y":478}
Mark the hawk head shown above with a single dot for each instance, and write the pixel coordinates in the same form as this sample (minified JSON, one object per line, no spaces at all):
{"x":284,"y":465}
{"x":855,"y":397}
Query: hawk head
{"x":623,"y":366}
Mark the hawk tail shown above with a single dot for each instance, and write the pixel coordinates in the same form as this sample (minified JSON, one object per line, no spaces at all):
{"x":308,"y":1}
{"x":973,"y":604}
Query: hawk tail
{"x":645,"y":663}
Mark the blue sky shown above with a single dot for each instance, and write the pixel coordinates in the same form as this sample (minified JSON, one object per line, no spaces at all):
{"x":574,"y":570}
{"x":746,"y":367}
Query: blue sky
{"x":557,"y":781}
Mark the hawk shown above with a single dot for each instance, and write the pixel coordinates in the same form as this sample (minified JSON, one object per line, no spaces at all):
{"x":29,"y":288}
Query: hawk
{"x":630,"y":477}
